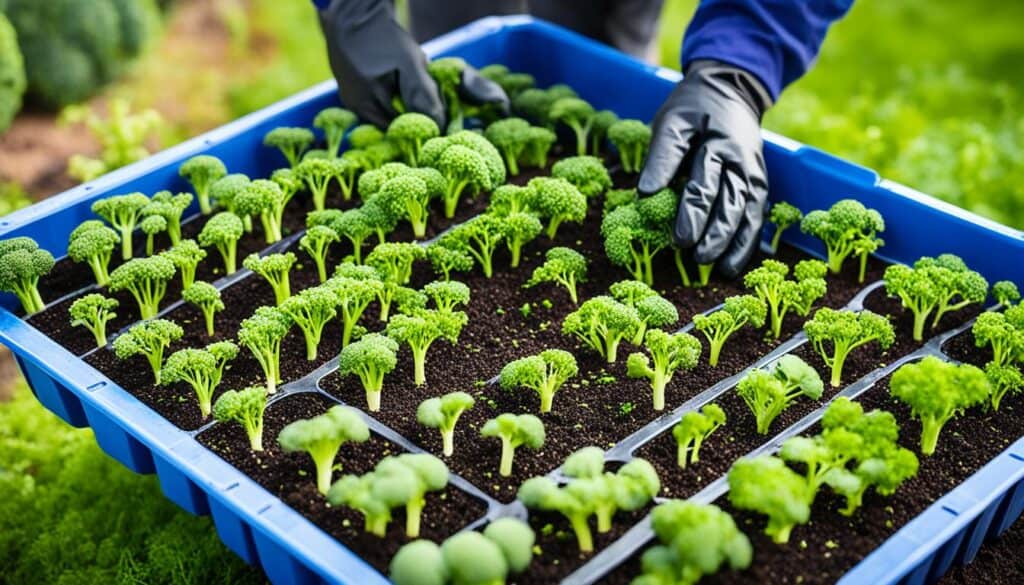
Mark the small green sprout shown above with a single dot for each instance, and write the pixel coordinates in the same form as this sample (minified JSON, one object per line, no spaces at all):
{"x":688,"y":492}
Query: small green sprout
{"x":769,"y":283}
{"x":146,"y":279}
{"x":445,"y":260}
{"x":152,"y":225}
{"x":669,"y":353}
{"x":737,"y":312}
{"x":846,"y":331}
{"x":602,"y":323}
{"x":409,"y":132}
{"x":150,"y":339}
{"x":518,"y":230}
{"x":558,"y":201}
{"x":1003,"y":331}
{"x":693,"y":429}
{"x":316,"y":242}
{"x":292,"y":142}
{"x":544,"y":373}
{"x":334,"y":122}
{"x":93,"y":242}
{"x":207,"y":299}
{"x":170,"y":207}
{"x":563,"y":266}
{"x":94,"y":311}
{"x":186,"y":256}
{"x":845,"y":228}
{"x":783,"y":215}
{"x":1003,"y":379}
{"x":479,"y":237}
{"x":123,"y":212}
{"x":274,"y":268}
{"x":577,"y":115}
{"x":420,"y":329}
{"x":244,"y":407}
{"x":225,"y":191}
{"x":311,"y":310}
{"x":443,"y":413}
{"x":1005,"y":293}
{"x":262,"y":334}
{"x":202,"y":171}
{"x":202,"y":369}
{"x":223,"y":231}
{"x":371,"y":358}
{"x":266,"y":199}
{"x":632,"y":138}
{"x":768,"y":394}
{"x":322,"y":437}
{"x":766,"y":486}
{"x":514,"y":430}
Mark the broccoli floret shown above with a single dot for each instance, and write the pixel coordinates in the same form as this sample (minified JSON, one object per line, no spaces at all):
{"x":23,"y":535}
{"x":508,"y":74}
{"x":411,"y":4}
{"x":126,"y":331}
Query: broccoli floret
{"x":693,"y":429}
{"x":696,"y":540}
{"x":767,"y":394}
{"x":446,"y":295}
{"x":408,"y":196}
{"x":316,"y":242}
{"x":544,"y":373}
{"x":274,"y":268}
{"x":602,"y":323}
{"x":152,"y":225}
{"x":226,"y":190}
{"x":394,"y":260}
{"x":322,"y":436}
{"x":371,"y":497}
{"x":510,"y":136}
{"x":669,"y":354}
{"x":409,"y":132}
{"x":1005,"y":293}
{"x":519,"y":229}
{"x":577,"y":115}
{"x":93,"y":311}
{"x":632,"y":138}
{"x":150,"y":339}
{"x":202,"y":171}
{"x":653,"y":309}
{"x":170,"y":207}
{"x":445,"y":259}
{"x":202,"y":369}
{"x":443,"y":413}
{"x":615,"y":198}
{"x":353,"y":294}
{"x":371,"y":358}
{"x":447,"y":73}
{"x":558,"y":201}
{"x":846,"y":331}
{"x":509,"y":199}
{"x":1003,"y":331}
{"x":223,"y":231}
{"x":94,"y":243}
{"x":514,"y":430}
{"x":123,"y":212}
{"x":262,"y":334}
{"x":783,"y":215}
{"x":766,"y":486}
{"x":334,"y":122}
{"x":737,"y":312}
{"x":535,"y":104}
{"x":244,"y":407}
{"x":1003,"y":380}
{"x":587,"y":173}
{"x":630,"y":488}
{"x":475,"y":165}
{"x":186,"y":256}
{"x":936,"y":392}
{"x":600,"y":123}
{"x":267,"y":200}
{"x":146,"y":279}
{"x":347,"y":171}
{"x":351,"y":224}
{"x":479,"y":237}
{"x":563,"y":266}
{"x":290,"y":183}
{"x":632,"y":242}
{"x":317,"y":174}
{"x":956,"y":285}
{"x":539,"y":141}
{"x":845,"y":228}
{"x":310,"y":310}
{"x":365,"y":135}
{"x":769,"y":283}
{"x":422,"y":328}
{"x":207,"y":299}
{"x":292,"y":142}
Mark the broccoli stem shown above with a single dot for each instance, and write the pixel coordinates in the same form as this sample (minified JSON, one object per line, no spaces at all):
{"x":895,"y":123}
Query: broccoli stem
{"x":854,"y":500}
{"x":99,"y":271}
{"x":247,"y":223}
{"x":778,"y":532}
{"x":373,"y":400}
{"x":255,"y":432}
{"x":208,"y":315}
{"x":681,"y":268}
{"x":716,"y":343}
{"x":836,"y":256}
{"x":583,"y":536}
{"x":553,"y":224}
{"x":149,"y":244}
{"x":515,"y":246}
{"x":126,"y":240}
{"x":508,"y":452}
{"x":863,"y":267}
{"x":227,"y":252}
{"x":413,"y":513}
{"x":581,"y":138}
{"x":570,"y":284}
{"x":704,"y":271}
{"x":448,"y":441}
{"x":777,"y":315}
{"x":682,"y":449}
{"x":604,"y":513}
{"x":204,"y":202}
{"x":451,"y":197}
{"x":37,"y":299}
{"x":547,"y":395}
{"x":837,"y":367}
{"x":658,"y":383}
{"x":930,"y":428}
{"x":775,"y":239}
{"x":511,"y":163}
{"x":377,"y":524}
{"x":419,"y":357}
{"x":920,"y":317}
{"x":612,"y":348}
{"x":695,"y":451}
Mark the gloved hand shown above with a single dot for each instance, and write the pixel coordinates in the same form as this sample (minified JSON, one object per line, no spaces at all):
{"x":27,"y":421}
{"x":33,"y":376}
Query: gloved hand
{"x":375,"y":60}
{"x":709,"y":130}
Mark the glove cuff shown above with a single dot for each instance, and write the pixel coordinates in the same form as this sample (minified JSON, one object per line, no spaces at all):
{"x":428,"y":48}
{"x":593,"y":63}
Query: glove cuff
{"x":745,"y":84}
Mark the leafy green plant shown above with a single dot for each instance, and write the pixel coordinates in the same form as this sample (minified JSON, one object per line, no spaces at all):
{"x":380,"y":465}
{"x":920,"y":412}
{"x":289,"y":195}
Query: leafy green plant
{"x":274,"y":268}
{"x":371,"y":358}
{"x":737,"y":312}
{"x":244,"y":407}
{"x":93,"y":311}
{"x":149,"y":339}
{"x":122,"y":135}
{"x":479,"y":237}
{"x":768,"y":394}
{"x":170,"y":207}
{"x":468,"y":161}
{"x":514,"y":430}
{"x":311,"y":310}
{"x":577,"y":115}
{"x":654,"y":310}
{"x":93,"y":243}
{"x":602,"y":323}
{"x":586,"y":173}
{"x":334,"y":122}
{"x":317,"y":174}
{"x":202,"y":171}
{"x":207,"y":299}
{"x":225,"y":192}
{"x":292,"y":142}
{"x":124,"y":213}
{"x":409,"y":132}
{"x":769,"y":283}
{"x":693,"y":429}
{"x":632,"y":138}
{"x":1004,"y":332}
{"x":265,"y":199}
{"x":447,"y":73}
{"x":669,"y":353}
{"x":846,"y":228}
{"x":22,"y":263}
{"x":443,"y":413}
{"x":1005,"y":293}
{"x":634,"y":234}
{"x":1003,"y":380}
{"x":262,"y":334}
{"x":518,"y":229}
{"x":783,"y":215}
{"x":539,"y":141}
{"x":767,"y":486}
{"x":316,"y":242}
{"x":846,"y":330}
{"x":563,"y":266}
{"x":446,"y":259}
{"x":202,"y":369}
{"x":186,"y":256}
{"x":352,"y":295}
{"x":222,"y":232}
{"x":322,"y":437}
{"x":146,"y":279}
{"x":510,"y":136}
{"x":420,"y":329}
{"x":558,"y":201}
{"x":544,"y":373}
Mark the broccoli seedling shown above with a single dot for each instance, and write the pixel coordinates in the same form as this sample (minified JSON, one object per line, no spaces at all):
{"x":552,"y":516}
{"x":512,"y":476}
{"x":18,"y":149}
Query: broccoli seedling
{"x":416,"y":474}
{"x":482,"y":170}
{"x":600,"y":123}
{"x":557,"y":201}
{"x":769,"y":283}
{"x":267,"y":200}
{"x":615,"y":198}
{"x":955,"y":285}
{"x":1003,"y":380}
{"x":274,"y":268}
{"x":443,"y":414}
{"x":409,"y":132}
{"x":186,"y":256}
{"x":693,"y":429}
{"x":479,"y":237}
{"x":373,"y":498}
{"x":519,"y":229}
{"x":1005,"y":293}
{"x":843,"y":228}
{"x":544,"y":373}
{"x":146,"y":279}
{"x":365,"y":135}
{"x":510,"y":136}
{"x":632,"y":138}
{"x":94,"y":311}
{"x":354,"y":295}
{"x":225,"y":190}
{"x":563,"y":266}
{"x":737,"y":312}
{"x":262,"y":334}
{"x":317,"y":174}
{"x":846,"y":331}
{"x":445,"y":259}
{"x":310,"y":310}
{"x":150,"y":339}
{"x":348,"y":169}
{"x":766,"y":486}
{"x":202,"y":369}
{"x":292,"y":142}
{"x":696,"y":540}
{"x":767,"y":394}
{"x":446,"y":295}
{"x":514,"y":430}
{"x":936,"y":392}
{"x":577,"y":115}
{"x":207,"y":299}
{"x":575,"y":502}
{"x":539,"y":141}
{"x":93,"y":242}
{"x":151,"y":226}
{"x":170,"y":207}
{"x":371,"y":358}
{"x":631,"y":488}
{"x":1004,"y":332}
{"x":290,"y":183}
{"x":351,"y":224}
{"x":669,"y":353}
{"x":394,"y":260}
{"x":602,"y":323}
{"x":509,"y":199}
{"x":316,"y":242}
{"x":123,"y":212}
{"x":202,"y":171}
{"x":631,"y":241}
{"x":408,"y":197}
{"x":322,"y":437}
{"x":653,"y":309}
{"x":586,"y":173}
{"x":223,"y":231}
{"x":244,"y":407}
{"x":334,"y":122}
{"x":783,"y":215}
{"x":421,"y":329}
{"x":535,"y":104}
{"x":447,"y":73}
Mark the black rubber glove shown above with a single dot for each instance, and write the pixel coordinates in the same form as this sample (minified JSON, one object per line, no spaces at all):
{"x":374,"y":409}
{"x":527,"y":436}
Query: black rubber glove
{"x":709,"y":131}
{"x":375,"y":60}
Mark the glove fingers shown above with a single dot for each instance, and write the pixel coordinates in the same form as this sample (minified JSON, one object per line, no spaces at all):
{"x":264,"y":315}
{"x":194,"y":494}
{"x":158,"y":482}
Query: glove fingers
{"x":419,"y":92}
{"x":725,"y":216}
{"x":669,"y":144}
{"x":745,"y":243}
{"x":476,"y":89}
{"x":697,"y":198}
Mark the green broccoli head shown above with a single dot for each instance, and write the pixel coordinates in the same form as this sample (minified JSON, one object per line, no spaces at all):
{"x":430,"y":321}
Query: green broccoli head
{"x":577,"y":114}
{"x":322,"y":436}
{"x":149,"y":339}
{"x":587,"y":173}
{"x":244,"y":407}
{"x":334,"y":122}
{"x":514,"y":430}
{"x":202,"y":171}
{"x":93,"y":311}
{"x":146,"y":279}
{"x":510,"y":136}
{"x":632,"y":138}
{"x":563,"y":266}
{"x":94,"y":243}
{"x":292,"y":142}
{"x":558,"y":201}
{"x":410,"y":131}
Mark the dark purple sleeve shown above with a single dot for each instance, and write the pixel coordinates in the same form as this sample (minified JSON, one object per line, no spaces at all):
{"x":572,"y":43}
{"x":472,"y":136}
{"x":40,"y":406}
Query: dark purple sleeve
{"x":775,"y":40}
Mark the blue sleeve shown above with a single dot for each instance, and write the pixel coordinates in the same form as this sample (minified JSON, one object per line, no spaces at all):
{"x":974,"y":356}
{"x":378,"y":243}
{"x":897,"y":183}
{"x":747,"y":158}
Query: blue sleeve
{"x":775,"y":40}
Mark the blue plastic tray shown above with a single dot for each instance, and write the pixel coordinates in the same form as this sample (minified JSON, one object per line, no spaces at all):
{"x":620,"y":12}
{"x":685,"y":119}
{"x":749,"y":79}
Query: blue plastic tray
{"x":261,"y":529}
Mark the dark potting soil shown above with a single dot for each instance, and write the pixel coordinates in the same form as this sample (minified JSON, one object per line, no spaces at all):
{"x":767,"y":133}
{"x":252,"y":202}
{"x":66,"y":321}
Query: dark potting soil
{"x":961,"y":347}
{"x":997,"y":563}
{"x":291,"y":477}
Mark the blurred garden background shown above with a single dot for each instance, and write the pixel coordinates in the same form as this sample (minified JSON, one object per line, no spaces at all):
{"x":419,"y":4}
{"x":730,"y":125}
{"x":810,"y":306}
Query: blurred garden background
{"x":927,"y":92}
